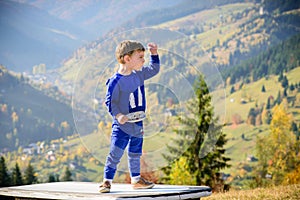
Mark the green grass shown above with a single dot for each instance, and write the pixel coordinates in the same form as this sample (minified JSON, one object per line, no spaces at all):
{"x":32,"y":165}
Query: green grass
{"x":250,"y":93}
{"x":293,"y":75}
{"x":237,"y":148}
{"x":205,"y":18}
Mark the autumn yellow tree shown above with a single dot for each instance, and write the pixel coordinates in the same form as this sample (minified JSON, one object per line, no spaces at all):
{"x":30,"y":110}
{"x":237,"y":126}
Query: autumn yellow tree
{"x":180,"y":173}
{"x":277,"y":151}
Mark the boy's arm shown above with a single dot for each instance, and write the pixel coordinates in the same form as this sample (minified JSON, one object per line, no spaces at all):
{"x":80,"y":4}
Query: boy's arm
{"x":154,"y":65}
{"x":112,"y":97}
{"x":111,"y":101}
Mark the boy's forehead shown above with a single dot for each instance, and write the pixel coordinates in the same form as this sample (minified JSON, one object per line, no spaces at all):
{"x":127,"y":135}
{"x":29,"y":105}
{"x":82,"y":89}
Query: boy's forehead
{"x":138,"y":52}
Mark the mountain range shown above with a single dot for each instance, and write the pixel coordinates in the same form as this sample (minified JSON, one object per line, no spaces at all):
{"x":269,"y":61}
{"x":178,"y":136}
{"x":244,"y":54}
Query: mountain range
{"x":47,"y":32}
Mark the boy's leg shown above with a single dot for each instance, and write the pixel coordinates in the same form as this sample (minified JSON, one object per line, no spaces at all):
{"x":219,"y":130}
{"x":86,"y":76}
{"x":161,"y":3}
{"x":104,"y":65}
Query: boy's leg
{"x":134,"y":157}
{"x":119,"y":141}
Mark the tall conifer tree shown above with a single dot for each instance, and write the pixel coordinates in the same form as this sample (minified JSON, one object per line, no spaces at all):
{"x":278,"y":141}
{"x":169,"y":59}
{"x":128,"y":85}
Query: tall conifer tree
{"x":30,"y":178}
{"x":17,"y":176}
{"x":203,"y":138}
{"x":4,"y":175}
{"x":67,"y":175}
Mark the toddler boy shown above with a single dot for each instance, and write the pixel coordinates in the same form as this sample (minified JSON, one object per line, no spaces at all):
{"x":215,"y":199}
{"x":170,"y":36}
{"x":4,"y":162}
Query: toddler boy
{"x":126,"y":102}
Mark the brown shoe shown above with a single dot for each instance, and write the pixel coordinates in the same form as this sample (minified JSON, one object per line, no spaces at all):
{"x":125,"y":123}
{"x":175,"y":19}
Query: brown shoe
{"x":105,"y":187}
{"x":142,"y":184}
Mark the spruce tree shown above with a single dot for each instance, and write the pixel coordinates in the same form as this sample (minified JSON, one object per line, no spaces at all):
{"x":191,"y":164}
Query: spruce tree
{"x":53,"y":178}
{"x":263,"y":89}
{"x":30,"y":178}
{"x":268,"y":106}
{"x":278,"y":98}
{"x":67,"y":175}
{"x":203,"y":138}
{"x":17,"y":176}
{"x":232,"y":90}
{"x":4,"y":175}
{"x":285,"y":82}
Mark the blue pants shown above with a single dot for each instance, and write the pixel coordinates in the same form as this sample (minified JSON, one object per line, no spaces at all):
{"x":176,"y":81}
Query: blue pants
{"x":119,"y":141}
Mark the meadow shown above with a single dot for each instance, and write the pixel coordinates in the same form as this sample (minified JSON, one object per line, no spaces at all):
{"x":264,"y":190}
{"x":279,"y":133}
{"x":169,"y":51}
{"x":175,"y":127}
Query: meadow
{"x":275,"y":193}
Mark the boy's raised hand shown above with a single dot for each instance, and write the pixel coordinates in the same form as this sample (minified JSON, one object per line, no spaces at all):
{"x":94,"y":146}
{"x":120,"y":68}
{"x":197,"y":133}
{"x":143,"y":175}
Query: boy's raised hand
{"x":152,"y":48}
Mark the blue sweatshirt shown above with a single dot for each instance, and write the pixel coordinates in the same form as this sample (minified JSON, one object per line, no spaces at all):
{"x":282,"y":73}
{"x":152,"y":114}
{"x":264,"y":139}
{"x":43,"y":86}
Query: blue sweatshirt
{"x":126,"y":94}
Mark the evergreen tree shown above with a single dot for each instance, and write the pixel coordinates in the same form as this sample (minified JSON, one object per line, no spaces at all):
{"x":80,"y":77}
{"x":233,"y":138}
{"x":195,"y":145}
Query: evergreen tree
{"x":280,"y":77}
{"x":30,"y":178}
{"x":232,"y":90}
{"x":292,"y":87}
{"x":278,"y":98}
{"x":67,"y":175}
{"x":295,"y":130}
{"x":203,"y":140}
{"x":263,"y":89}
{"x":4,"y":176}
{"x":53,"y":178}
{"x":17,"y":176}
{"x":285,"y":92}
{"x":268,"y":106}
{"x":266,"y":116}
{"x":285,"y":82}
{"x":251,"y":116}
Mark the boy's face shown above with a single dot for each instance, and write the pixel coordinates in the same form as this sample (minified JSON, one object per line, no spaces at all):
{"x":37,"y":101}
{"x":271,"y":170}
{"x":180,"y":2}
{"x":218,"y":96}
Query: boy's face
{"x":136,"y":60}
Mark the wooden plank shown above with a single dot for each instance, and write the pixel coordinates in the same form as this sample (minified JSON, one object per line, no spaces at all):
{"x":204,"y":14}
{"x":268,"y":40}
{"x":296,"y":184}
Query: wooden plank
{"x":88,"y":190}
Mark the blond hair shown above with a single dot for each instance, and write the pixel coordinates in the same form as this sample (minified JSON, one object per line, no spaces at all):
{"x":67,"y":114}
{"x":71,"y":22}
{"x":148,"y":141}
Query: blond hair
{"x":127,"y":47}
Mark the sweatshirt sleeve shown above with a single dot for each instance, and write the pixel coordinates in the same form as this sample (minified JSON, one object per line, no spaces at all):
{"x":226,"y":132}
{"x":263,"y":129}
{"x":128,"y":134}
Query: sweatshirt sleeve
{"x":112,"y":97}
{"x":153,"y":68}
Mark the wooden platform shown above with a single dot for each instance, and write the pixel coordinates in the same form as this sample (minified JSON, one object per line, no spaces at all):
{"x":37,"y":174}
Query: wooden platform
{"x":88,"y":190}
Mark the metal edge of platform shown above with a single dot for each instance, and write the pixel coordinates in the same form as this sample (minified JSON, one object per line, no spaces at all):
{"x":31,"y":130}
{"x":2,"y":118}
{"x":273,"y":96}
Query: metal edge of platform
{"x":193,"y":192}
{"x":196,"y":193}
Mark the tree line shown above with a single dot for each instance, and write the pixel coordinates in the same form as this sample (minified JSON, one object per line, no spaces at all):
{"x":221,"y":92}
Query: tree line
{"x":15,"y":176}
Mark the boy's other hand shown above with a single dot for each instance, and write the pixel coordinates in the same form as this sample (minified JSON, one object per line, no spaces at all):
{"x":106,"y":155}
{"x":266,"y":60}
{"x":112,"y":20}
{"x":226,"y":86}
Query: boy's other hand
{"x":122,"y":119}
{"x":152,"y":48}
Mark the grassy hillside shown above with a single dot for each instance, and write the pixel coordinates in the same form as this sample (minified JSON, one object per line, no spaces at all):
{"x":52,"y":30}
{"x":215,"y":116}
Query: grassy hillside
{"x":242,"y":137}
{"x":218,"y":37}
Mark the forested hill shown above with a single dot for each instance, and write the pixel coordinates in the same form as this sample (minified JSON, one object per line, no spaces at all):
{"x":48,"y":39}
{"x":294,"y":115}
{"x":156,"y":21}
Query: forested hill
{"x":28,"y":114}
{"x":185,"y":8}
{"x":229,"y":34}
{"x":274,"y":61}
